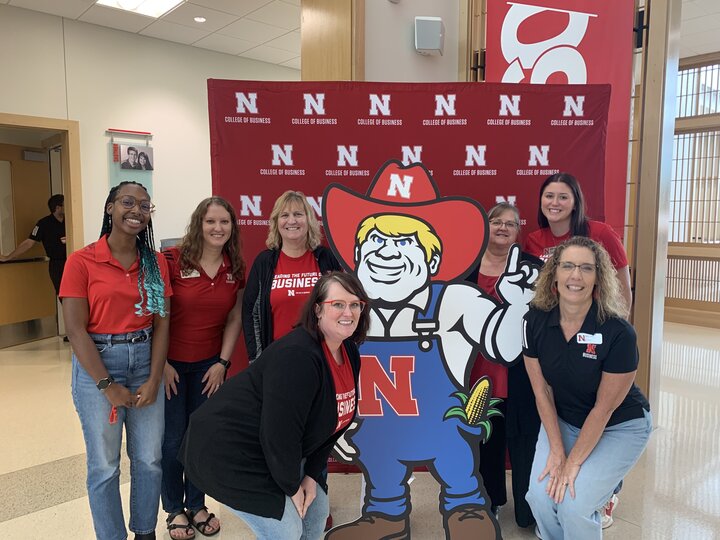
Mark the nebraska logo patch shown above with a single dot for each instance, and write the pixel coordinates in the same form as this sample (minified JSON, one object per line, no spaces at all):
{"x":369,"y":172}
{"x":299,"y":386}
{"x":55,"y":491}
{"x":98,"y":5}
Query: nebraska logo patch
{"x":590,"y":351}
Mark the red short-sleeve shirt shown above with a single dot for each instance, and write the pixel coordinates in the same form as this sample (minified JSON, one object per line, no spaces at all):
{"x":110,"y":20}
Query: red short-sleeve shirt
{"x":111,"y":290}
{"x":542,"y":242}
{"x":200,"y":308}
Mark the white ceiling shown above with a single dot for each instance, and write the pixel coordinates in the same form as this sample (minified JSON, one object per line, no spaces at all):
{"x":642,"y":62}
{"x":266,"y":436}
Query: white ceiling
{"x":265,"y":30}
{"x":269,"y":30}
{"x":700,"y":27}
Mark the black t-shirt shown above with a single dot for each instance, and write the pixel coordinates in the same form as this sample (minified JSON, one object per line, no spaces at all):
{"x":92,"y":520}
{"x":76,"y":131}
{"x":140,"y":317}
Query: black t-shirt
{"x":574,"y":368}
{"x":49,"y":231}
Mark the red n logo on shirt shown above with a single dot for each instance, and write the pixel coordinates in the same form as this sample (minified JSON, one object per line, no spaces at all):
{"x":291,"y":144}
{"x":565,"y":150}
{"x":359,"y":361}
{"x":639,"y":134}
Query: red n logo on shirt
{"x":397,"y":393}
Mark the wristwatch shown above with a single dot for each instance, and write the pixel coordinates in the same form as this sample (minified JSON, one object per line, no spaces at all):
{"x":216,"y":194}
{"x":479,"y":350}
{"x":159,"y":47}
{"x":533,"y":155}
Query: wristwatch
{"x":225,"y":363}
{"x":103,"y":384}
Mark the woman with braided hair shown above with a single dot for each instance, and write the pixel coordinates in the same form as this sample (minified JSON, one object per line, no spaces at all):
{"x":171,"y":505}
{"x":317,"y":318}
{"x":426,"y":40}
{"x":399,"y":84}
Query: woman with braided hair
{"x":116,"y":303}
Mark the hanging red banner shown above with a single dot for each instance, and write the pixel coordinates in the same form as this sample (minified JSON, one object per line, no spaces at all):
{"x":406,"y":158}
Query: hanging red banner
{"x":571,"y":41}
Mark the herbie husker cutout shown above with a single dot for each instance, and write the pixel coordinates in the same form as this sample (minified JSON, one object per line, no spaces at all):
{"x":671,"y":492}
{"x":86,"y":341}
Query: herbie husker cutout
{"x":411,"y":248}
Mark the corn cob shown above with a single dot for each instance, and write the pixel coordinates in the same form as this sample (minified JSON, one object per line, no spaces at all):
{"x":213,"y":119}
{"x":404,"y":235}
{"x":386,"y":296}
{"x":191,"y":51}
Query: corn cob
{"x":478,"y":402}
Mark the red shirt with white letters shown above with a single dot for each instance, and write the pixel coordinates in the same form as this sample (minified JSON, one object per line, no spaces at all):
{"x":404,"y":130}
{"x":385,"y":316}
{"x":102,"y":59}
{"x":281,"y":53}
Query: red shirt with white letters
{"x":344,"y":387}
{"x":292,"y":283}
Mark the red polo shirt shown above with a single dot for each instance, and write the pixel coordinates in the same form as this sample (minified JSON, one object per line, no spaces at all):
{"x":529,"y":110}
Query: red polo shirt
{"x":542,"y":242}
{"x":111,"y":291}
{"x":200,"y":308}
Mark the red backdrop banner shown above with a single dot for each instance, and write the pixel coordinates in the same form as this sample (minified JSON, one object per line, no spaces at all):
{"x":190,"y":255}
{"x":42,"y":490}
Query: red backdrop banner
{"x":490,"y":142}
{"x":571,"y":41}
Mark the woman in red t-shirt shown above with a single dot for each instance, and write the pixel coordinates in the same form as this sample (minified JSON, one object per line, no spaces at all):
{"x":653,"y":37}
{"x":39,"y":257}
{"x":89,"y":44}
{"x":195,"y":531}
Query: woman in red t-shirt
{"x":207,"y":273}
{"x":561,"y":215}
{"x":115,"y":301}
{"x":517,"y":430}
{"x":282,"y":276}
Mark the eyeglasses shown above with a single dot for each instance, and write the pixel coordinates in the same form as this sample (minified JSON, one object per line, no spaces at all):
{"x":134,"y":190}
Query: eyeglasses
{"x":339,"y":305}
{"x":509,"y":224}
{"x":129,"y":202}
{"x":585,"y":268}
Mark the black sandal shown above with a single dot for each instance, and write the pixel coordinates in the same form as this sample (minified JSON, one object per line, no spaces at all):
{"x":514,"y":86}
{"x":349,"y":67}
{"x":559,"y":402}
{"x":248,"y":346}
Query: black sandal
{"x":189,"y":532}
{"x":202,"y":526}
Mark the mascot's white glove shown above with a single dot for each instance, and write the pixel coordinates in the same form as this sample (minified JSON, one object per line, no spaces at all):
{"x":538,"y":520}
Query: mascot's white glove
{"x":344,"y":451}
{"x":515,"y":285}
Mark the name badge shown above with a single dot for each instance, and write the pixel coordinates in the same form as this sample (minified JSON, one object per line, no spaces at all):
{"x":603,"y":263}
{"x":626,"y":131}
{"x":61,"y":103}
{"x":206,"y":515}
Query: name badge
{"x":185,"y":274}
{"x":595,"y":339}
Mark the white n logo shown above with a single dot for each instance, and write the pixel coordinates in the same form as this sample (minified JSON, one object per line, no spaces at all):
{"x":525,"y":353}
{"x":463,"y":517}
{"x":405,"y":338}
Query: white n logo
{"x":574,"y":106}
{"x":250,"y":206}
{"x":315,"y":204}
{"x":411,"y":154}
{"x":246,"y":103}
{"x":539,"y":155}
{"x":282,"y":154}
{"x":347,"y":156}
{"x":444,"y":105}
{"x":511,"y":199}
{"x":380,"y":105}
{"x":509,"y":105}
{"x":475,"y":155}
{"x":400,"y":186}
{"x":314,"y":104}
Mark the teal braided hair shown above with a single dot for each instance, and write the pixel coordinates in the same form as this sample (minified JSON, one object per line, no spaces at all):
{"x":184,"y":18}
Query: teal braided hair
{"x":150,"y":282}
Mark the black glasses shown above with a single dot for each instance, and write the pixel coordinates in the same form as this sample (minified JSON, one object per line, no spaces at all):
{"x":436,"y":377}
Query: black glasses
{"x":129,"y":202}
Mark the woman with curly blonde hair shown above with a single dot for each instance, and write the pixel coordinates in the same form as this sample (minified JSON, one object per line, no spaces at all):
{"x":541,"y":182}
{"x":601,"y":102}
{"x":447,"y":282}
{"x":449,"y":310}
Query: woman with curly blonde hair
{"x":581,"y":356}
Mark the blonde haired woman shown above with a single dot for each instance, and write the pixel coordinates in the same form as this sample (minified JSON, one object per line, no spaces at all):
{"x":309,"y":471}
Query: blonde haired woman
{"x":282,"y":276}
{"x":581,"y":356}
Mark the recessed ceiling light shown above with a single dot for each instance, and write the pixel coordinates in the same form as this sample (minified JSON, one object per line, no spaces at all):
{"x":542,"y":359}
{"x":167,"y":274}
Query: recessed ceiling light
{"x":200,"y":19}
{"x":151,"y":8}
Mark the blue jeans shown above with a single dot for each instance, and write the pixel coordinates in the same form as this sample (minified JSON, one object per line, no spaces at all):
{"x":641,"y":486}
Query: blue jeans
{"x":291,"y":527}
{"x":178,"y":492}
{"x":618,"y":449}
{"x":129,"y":365}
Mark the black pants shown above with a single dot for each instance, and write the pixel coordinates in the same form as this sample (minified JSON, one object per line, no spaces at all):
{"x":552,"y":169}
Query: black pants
{"x":522,"y":453}
{"x":56,"y":268}
{"x":492,"y":460}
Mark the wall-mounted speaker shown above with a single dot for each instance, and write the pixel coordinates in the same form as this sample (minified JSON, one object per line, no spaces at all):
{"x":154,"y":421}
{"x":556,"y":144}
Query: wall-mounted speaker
{"x":429,"y":35}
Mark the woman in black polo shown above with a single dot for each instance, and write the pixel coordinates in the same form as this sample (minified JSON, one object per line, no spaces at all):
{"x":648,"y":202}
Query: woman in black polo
{"x":581,"y":356}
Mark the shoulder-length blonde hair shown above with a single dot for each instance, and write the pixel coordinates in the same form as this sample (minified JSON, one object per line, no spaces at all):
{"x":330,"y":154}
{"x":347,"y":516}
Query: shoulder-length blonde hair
{"x":191,"y":247}
{"x":608,"y":298}
{"x":314,"y":236}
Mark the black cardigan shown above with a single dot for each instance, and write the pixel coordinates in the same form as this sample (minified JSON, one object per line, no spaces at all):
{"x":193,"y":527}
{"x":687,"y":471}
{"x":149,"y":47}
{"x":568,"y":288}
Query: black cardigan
{"x":256,"y":311}
{"x":244,"y":446}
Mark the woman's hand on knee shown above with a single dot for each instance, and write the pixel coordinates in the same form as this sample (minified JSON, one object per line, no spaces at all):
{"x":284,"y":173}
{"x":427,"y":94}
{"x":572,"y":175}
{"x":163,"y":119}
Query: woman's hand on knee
{"x":553,"y":466}
{"x":310,"y":487}
{"x":566,"y":480}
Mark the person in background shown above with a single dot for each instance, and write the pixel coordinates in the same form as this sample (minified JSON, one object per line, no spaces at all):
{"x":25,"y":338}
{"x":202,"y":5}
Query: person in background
{"x":581,"y":356}
{"x":260,"y":445}
{"x":517,"y":430}
{"x":131,"y":161}
{"x":144,"y":162}
{"x":207,"y":274}
{"x":561,"y":215}
{"x":116,"y":299}
{"x":50,"y":231}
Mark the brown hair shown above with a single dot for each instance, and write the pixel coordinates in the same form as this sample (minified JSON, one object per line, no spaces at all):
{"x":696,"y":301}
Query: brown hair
{"x":608,"y":298}
{"x":308,"y":316}
{"x":191,"y":247}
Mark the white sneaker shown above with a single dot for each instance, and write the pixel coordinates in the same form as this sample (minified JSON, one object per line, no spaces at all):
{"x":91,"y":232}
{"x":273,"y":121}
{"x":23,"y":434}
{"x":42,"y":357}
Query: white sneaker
{"x":607,"y":511}
{"x":537,"y":532}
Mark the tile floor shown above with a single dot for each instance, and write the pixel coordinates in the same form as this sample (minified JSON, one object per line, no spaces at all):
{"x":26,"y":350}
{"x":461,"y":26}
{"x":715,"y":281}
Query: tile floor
{"x":673,"y":492}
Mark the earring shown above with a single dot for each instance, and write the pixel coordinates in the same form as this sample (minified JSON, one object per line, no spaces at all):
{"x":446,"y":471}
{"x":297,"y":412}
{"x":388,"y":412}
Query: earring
{"x":553,"y":289}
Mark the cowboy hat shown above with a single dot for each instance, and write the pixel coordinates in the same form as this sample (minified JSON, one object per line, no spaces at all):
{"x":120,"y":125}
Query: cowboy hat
{"x":459,"y":222}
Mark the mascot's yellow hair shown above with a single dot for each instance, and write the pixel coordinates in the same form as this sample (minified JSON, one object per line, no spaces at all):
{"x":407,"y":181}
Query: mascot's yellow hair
{"x":394,"y":225}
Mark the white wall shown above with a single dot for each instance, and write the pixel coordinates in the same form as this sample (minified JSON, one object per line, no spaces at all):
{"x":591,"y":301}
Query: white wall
{"x":106,"y":78}
{"x":390,"y":41}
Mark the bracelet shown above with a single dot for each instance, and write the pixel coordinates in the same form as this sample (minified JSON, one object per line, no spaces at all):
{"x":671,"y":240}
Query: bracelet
{"x":225,"y":363}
